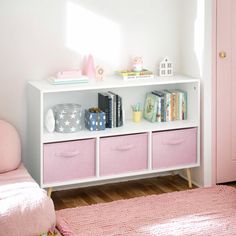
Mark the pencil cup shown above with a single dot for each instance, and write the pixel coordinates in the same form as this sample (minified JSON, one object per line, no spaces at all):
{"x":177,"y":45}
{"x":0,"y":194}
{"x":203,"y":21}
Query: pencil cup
{"x":137,"y":116}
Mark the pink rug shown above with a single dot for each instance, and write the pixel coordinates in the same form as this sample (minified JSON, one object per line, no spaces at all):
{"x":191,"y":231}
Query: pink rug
{"x":204,"y":211}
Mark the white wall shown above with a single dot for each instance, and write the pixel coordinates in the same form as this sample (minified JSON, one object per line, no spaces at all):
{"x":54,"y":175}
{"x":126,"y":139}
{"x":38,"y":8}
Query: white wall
{"x":39,"y":38}
{"x":196,"y":54}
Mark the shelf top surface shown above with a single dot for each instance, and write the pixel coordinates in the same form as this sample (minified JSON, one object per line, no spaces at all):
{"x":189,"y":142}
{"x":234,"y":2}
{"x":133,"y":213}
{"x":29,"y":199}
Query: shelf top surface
{"x":129,"y":128}
{"x":109,"y":82}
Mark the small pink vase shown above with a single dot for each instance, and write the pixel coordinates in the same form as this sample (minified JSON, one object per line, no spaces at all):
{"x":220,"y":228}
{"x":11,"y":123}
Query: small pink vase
{"x":89,"y":67}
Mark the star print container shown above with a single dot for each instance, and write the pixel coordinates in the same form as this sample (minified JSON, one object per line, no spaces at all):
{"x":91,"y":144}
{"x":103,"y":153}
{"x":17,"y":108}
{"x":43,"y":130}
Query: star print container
{"x":68,"y":117}
{"x":95,"y":121}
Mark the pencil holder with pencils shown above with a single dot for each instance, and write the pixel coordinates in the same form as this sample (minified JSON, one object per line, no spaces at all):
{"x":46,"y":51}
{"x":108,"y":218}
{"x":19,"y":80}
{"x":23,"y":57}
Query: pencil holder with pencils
{"x":137,"y":113}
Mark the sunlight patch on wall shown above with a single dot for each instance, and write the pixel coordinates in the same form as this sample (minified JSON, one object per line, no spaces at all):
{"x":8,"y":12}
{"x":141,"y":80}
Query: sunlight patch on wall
{"x":90,"y":33}
{"x":186,"y":225}
{"x":199,"y":34}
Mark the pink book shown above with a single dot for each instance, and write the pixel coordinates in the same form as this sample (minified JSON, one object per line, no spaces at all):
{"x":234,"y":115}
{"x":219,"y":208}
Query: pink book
{"x":69,"y":74}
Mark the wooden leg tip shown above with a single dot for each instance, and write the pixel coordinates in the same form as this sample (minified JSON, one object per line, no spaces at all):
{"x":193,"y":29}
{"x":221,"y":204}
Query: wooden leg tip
{"x":49,"y":192}
{"x":189,"y":178}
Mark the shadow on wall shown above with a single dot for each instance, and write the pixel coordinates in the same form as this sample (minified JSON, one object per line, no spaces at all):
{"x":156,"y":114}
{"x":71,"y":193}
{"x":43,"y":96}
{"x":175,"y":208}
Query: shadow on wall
{"x":193,"y":43}
{"x":199,"y":34}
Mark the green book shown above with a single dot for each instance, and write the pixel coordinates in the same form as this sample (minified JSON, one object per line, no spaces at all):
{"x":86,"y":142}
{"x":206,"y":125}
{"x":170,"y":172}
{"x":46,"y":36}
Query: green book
{"x":150,"y":108}
{"x":183,"y":109}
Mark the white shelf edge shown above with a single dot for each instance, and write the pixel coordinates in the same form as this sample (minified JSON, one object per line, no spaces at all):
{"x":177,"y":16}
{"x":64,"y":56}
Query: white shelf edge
{"x":129,"y":128}
{"x":119,"y":176}
{"x":110,"y":82}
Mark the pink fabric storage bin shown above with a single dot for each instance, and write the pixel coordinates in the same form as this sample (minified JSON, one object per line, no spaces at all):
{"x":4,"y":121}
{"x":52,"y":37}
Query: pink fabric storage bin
{"x":68,"y":160}
{"x":174,"y":148}
{"x":123,"y":154}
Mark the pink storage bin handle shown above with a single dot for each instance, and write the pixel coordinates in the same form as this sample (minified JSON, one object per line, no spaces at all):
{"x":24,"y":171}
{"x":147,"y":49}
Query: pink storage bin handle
{"x":124,"y":148}
{"x":173,"y":142}
{"x":67,"y":154}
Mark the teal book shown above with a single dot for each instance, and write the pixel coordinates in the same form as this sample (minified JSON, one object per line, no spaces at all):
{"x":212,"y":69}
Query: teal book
{"x":150,"y":107}
{"x":160,"y":105}
{"x":183,"y":109}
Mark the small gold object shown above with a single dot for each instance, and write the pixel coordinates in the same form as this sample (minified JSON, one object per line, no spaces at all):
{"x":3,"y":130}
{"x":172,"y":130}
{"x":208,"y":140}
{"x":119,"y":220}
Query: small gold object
{"x":99,"y":73}
{"x":95,"y":110}
{"x":222,"y":55}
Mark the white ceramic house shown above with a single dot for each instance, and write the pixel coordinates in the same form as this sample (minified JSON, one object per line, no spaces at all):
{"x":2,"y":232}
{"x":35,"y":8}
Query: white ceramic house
{"x":166,"y":67}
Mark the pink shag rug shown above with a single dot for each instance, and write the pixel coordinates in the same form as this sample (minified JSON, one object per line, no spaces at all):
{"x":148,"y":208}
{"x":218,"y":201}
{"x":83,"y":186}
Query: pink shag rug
{"x":203,"y":211}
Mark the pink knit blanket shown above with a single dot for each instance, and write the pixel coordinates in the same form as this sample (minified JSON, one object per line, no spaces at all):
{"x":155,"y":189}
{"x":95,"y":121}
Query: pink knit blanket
{"x":25,"y":209}
{"x":203,"y":211}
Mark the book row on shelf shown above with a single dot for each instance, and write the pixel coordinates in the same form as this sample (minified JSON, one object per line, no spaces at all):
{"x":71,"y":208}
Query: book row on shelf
{"x":165,"y":105}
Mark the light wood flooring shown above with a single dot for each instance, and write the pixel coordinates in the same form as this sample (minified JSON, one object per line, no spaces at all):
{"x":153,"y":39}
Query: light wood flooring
{"x":116,"y":191}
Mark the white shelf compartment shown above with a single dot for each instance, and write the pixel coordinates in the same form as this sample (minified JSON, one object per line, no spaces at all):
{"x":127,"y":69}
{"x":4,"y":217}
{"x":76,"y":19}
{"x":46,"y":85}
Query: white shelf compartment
{"x":131,"y":92}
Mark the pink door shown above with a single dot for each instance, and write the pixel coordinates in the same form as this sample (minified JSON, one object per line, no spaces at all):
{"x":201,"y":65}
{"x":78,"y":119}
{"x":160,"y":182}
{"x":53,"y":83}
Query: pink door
{"x":226,"y":90}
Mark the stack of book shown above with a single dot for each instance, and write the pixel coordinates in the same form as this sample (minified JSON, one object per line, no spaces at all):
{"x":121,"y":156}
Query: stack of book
{"x":166,"y":105}
{"x":111,"y":104}
{"x":127,"y":75}
{"x":68,"y":80}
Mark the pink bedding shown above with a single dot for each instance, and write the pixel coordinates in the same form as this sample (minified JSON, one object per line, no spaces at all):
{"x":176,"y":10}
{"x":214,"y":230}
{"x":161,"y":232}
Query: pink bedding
{"x":25,"y":209}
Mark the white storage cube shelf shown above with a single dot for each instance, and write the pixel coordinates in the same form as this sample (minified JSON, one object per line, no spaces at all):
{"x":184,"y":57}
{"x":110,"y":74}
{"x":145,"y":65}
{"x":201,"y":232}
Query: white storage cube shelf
{"x":43,"y":96}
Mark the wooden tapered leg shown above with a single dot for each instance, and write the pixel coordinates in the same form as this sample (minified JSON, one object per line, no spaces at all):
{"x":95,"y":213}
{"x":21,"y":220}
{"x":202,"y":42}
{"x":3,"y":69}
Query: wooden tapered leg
{"x":49,"y":192}
{"x":189,"y":177}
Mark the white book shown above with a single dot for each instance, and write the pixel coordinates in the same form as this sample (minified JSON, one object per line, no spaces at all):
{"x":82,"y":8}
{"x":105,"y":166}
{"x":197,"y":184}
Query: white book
{"x":111,"y":109}
{"x":114,"y":107}
{"x":180,"y":106}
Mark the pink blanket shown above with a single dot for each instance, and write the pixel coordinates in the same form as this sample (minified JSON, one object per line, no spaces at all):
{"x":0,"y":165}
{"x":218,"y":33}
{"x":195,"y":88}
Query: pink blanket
{"x":198,"y":212}
{"x":25,"y":209}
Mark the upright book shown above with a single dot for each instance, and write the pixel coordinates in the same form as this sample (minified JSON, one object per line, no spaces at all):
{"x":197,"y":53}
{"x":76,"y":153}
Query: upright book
{"x":150,"y":107}
{"x":167,"y":106}
{"x":182,"y":104}
{"x":114,"y":108}
{"x":160,"y":106}
{"x":105,"y":104}
{"x":121,"y":113}
{"x":174,"y":104}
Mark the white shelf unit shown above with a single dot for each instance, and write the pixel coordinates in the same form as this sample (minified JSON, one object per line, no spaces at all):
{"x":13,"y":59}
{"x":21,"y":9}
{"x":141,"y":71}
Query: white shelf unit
{"x":42,"y":96}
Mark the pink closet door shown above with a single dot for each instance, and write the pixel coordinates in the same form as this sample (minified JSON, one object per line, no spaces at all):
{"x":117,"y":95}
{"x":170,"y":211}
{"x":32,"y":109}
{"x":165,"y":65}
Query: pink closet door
{"x":226,"y":90}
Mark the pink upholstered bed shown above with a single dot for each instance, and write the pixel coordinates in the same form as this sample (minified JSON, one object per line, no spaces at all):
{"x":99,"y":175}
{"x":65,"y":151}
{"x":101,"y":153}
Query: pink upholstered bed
{"x":25,"y":209}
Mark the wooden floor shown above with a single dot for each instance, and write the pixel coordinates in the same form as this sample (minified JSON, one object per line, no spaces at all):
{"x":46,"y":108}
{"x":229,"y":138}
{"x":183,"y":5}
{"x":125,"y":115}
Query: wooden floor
{"x":117,"y":191}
